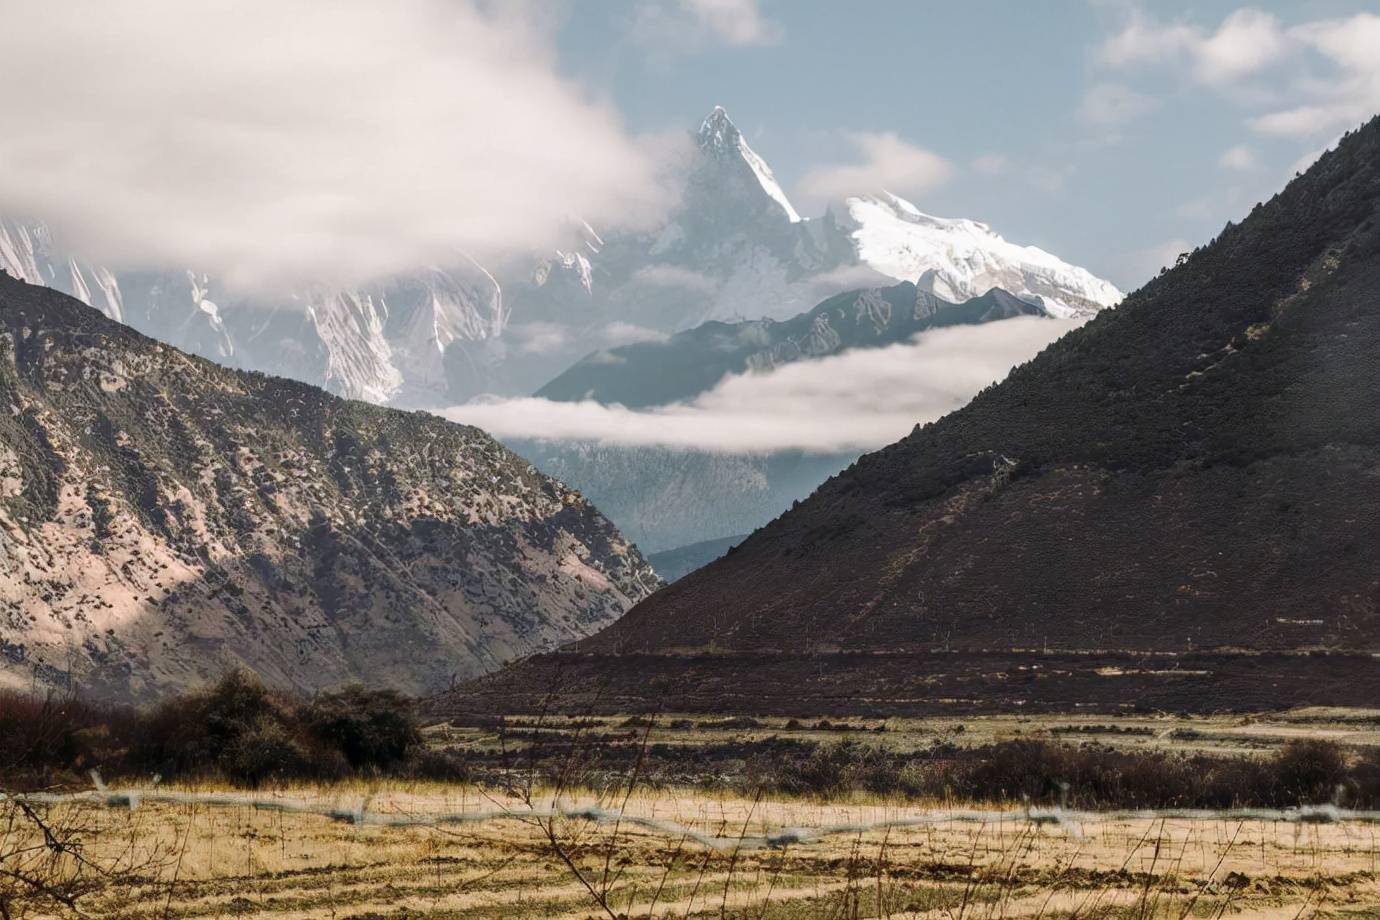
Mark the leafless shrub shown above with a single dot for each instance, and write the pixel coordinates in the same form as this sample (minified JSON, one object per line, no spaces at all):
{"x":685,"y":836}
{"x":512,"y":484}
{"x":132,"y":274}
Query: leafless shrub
{"x":44,"y":864}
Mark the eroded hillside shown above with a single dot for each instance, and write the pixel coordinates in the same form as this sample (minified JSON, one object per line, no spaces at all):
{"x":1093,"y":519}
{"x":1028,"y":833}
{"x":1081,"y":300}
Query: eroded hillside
{"x":163,"y":518}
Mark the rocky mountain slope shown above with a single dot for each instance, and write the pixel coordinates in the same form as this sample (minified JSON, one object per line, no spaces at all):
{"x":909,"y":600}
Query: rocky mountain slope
{"x":733,"y":249}
{"x":1176,"y":505}
{"x":163,"y":518}
{"x":404,"y":340}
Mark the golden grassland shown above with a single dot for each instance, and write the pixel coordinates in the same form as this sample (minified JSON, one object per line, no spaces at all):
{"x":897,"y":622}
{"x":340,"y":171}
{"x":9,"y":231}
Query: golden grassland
{"x":192,"y":861}
{"x":203,"y":861}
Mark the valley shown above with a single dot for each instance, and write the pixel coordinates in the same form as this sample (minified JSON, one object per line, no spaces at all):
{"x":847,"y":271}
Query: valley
{"x":450,"y":468}
{"x":889,"y":855}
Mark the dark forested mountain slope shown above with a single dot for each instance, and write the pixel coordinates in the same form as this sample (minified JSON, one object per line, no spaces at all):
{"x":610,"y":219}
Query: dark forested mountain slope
{"x":1195,"y":472}
{"x":163,"y":518}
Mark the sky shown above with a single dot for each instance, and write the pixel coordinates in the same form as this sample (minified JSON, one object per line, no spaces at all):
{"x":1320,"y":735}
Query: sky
{"x":1113,"y":134}
{"x":289,"y":142}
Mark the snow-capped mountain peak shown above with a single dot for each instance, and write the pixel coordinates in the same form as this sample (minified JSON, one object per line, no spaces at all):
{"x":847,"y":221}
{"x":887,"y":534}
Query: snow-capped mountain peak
{"x":733,"y":249}
{"x":720,"y":138}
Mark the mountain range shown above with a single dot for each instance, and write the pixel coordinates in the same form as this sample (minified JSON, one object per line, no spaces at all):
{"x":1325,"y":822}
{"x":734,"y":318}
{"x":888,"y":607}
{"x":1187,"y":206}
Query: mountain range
{"x":1175,"y":506}
{"x":731,"y":280}
{"x":734,"y":248}
{"x":688,"y":363}
{"x":163,"y":519}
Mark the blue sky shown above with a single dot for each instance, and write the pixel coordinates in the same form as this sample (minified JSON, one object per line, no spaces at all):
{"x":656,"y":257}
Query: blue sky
{"x":1109,"y":133}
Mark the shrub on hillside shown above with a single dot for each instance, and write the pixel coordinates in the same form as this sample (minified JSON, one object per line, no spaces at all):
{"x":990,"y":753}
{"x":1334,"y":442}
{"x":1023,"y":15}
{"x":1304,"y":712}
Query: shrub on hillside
{"x":1082,"y":776}
{"x":1310,"y":771}
{"x":236,"y":728}
{"x":39,"y":735}
{"x":374,"y":729}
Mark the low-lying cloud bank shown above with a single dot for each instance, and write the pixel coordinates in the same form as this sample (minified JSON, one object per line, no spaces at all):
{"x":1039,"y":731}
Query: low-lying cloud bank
{"x":859,"y":400}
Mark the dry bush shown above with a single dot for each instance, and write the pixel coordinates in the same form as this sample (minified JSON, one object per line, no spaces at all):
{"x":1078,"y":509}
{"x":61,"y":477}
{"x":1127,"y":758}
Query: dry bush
{"x":1310,"y":770}
{"x":236,"y":730}
{"x":45,"y":869}
{"x":374,"y":729}
{"x":1307,"y":772}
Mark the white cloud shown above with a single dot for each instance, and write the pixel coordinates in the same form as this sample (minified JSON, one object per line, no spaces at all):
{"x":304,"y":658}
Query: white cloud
{"x":621,"y":333}
{"x":1111,"y":104}
{"x":887,"y":162}
{"x":674,"y":276}
{"x":1246,"y":41}
{"x":736,"y":22}
{"x":1239,"y":157}
{"x":1252,"y":45}
{"x":990,"y":164}
{"x":1308,"y":159}
{"x":1147,"y":262}
{"x":291,"y":141}
{"x":1142,"y":41}
{"x":1350,"y":96}
{"x":537,"y":338}
{"x":671,"y":27}
{"x":859,"y":400}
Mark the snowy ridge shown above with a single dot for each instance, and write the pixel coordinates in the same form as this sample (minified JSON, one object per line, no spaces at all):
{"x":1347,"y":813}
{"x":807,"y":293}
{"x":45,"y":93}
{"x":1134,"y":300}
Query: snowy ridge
{"x":27,"y":252}
{"x":385,"y":342}
{"x":958,"y":259}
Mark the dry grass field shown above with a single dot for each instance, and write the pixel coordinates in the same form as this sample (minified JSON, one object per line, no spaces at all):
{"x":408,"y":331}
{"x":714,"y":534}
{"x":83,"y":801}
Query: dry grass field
{"x":1216,"y":734}
{"x":193,"y":860}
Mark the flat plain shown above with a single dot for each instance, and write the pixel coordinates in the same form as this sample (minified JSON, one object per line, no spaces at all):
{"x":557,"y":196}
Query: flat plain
{"x":222,"y":860}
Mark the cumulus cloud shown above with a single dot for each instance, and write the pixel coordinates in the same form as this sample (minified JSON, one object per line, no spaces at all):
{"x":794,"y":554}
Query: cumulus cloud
{"x":1250,"y":44}
{"x":674,"y":276}
{"x":1350,"y":95}
{"x":621,"y":333}
{"x":886,"y":162}
{"x":1112,"y":104}
{"x":1147,"y":262}
{"x":1308,"y":159}
{"x":737,"y":22}
{"x":537,"y":338}
{"x":859,"y":400}
{"x":1246,"y":41}
{"x":1239,"y":157}
{"x":299,"y":141}
{"x":990,"y":164}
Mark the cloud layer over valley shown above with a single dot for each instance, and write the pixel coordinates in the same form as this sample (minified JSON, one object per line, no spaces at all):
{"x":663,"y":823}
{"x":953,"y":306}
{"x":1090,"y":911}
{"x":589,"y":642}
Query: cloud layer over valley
{"x":859,"y":400}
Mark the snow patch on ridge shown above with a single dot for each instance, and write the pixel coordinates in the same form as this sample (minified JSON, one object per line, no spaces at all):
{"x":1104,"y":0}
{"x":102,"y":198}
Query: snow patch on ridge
{"x":958,"y":259}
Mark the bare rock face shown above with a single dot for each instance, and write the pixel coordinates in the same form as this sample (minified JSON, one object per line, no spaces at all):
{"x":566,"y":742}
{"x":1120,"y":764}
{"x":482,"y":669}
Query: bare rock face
{"x":163,"y":518}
